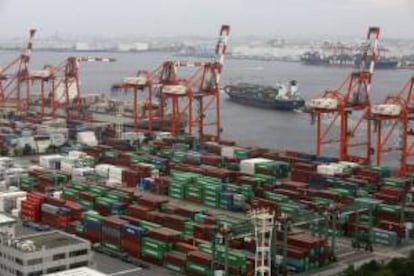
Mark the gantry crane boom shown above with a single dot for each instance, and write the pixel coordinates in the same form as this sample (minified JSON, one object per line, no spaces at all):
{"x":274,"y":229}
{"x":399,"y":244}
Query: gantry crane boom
{"x":64,"y":83}
{"x":396,"y":110}
{"x":14,"y":75}
{"x":348,"y":106}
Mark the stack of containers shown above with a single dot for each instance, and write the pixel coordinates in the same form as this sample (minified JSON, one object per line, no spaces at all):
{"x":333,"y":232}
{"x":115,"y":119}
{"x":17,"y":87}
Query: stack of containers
{"x":153,"y":250}
{"x":58,"y":217}
{"x":115,"y":174}
{"x":212,"y":190}
{"x":92,"y":222}
{"x":28,"y":183}
{"x":111,"y":232}
{"x":75,"y":208}
{"x":390,"y":218}
{"x":390,"y":195}
{"x":131,"y":239}
{"x":194,"y":191}
{"x":30,"y":208}
{"x":109,"y":206}
{"x":175,"y":261}
{"x":314,"y":252}
{"x":198,"y":263}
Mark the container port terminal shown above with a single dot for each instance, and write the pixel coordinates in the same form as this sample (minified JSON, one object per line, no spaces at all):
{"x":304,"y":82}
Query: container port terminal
{"x":152,"y":187}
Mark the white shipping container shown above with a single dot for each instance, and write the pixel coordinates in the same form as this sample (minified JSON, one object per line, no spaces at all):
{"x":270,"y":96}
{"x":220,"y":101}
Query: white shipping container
{"x":162,"y":135}
{"x":113,"y":182}
{"x":351,"y":165}
{"x":57,"y":194}
{"x":76,"y":154}
{"x":42,"y":145}
{"x":325,"y":169}
{"x":103,"y":170}
{"x":88,"y":138}
{"x":247,"y":166}
{"x":50,"y":161}
{"x":227,"y":151}
{"x":58,"y":139}
{"x":66,"y":166}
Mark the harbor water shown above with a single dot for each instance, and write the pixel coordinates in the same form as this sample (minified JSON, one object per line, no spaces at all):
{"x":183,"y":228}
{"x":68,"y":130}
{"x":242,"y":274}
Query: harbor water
{"x":247,"y":125}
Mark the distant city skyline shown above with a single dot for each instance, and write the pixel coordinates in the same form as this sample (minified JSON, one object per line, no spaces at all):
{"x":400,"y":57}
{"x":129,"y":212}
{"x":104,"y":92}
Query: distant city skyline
{"x":293,"y":18}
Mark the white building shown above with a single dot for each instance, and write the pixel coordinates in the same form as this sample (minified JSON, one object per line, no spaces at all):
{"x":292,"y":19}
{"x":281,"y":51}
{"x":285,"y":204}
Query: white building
{"x":43,"y":253}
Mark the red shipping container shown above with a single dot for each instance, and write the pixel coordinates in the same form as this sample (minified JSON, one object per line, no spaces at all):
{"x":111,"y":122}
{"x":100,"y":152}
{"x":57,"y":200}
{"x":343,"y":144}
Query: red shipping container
{"x":185,"y":247}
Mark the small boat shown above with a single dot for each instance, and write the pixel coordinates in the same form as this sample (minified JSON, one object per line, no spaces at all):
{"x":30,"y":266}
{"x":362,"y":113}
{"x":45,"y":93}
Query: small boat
{"x":280,"y":96}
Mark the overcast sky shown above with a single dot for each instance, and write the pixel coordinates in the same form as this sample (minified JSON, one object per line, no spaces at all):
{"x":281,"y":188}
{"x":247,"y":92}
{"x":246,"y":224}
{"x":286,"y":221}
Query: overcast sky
{"x":202,"y":17}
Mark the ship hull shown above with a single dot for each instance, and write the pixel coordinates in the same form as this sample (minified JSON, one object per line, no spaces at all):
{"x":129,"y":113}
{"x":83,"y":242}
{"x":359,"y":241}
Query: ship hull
{"x":285,"y":105}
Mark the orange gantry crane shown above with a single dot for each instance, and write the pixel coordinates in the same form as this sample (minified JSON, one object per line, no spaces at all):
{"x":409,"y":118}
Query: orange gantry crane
{"x":348,"y":106}
{"x":60,"y":85}
{"x":392,"y":119}
{"x":187,"y":91}
{"x":15,"y":80}
{"x":197,"y":95}
{"x":143,"y":87}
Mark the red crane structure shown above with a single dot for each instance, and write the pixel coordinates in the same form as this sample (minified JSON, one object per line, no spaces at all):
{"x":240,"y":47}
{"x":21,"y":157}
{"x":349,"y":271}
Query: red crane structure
{"x":392,"y":119}
{"x":62,"y":83}
{"x":183,"y":95}
{"x":142,"y":87}
{"x":15,"y":79}
{"x":197,"y":95}
{"x":349,"y":105}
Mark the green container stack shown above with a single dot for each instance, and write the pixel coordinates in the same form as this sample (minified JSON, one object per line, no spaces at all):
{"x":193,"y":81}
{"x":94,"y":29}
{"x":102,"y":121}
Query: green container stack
{"x":236,"y":258}
{"x":148,"y":225}
{"x":173,"y":267}
{"x":388,"y":238}
{"x":77,"y":185}
{"x":97,"y":191}
{"x":198,"y":268}
{"x":291,"y":209}
{"x":112,"y":154}
{"x":135,"y":159}
{"x":70,"y":193}
{"x":166,"y":153}
{"x":390,"y":209}
{"x":212,"y":194}
{"x":189,"y":228}
{"x":275,"y":197}
{"x":28,"y":183}
{"x":92,"y":216}
{"x":154,"y":248}
{"x":382,"y":170}
{"x":399,"y":183}
{"x":241,"y":154}
{"x":369,"y":203}
{"x":178,"y":156}
{"x":58,"y":179}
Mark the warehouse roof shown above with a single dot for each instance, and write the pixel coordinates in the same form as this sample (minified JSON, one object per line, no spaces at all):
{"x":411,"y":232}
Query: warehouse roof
{"x":82,"y":271}
{"x":4,"y":219}
{"x":52,"y":240}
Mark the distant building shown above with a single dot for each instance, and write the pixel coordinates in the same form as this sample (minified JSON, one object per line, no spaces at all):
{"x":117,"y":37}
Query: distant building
{"x":43,"y":253}
{"x":137,"y":46}
{"x":82,"y":46}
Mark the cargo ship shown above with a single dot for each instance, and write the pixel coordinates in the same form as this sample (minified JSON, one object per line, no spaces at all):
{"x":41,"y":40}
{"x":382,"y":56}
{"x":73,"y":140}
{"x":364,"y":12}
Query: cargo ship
{"x":345,"y":60}
{"x":280,"y":97}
